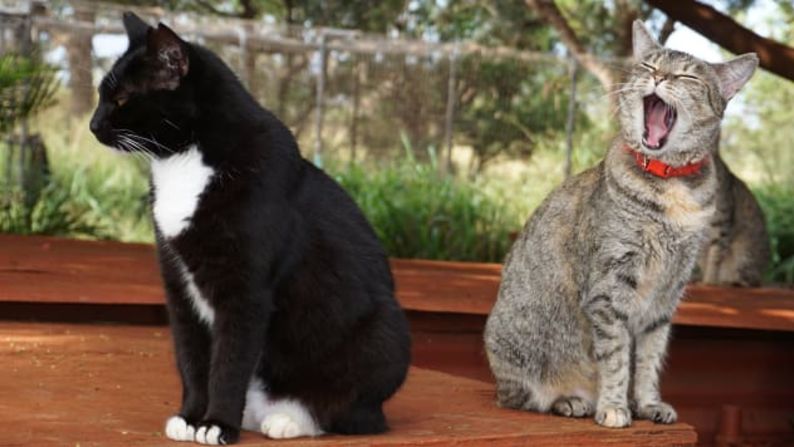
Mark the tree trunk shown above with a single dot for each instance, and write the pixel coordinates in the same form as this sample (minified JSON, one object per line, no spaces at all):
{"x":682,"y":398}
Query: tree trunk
{"x":78,"y":49}
{"x":549,"y":12}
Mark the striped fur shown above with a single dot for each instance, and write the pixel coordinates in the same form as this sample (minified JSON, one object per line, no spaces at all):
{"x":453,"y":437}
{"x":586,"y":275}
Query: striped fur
{"x":589,"y":288}
{"x":737,"y":250}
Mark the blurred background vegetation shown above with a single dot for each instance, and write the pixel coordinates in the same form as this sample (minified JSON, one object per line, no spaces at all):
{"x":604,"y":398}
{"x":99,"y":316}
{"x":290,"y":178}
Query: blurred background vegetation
{"x":448,"y":134}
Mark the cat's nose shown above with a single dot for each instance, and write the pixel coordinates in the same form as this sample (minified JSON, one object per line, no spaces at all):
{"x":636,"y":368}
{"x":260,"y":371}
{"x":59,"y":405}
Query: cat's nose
{"x":96,"y":122}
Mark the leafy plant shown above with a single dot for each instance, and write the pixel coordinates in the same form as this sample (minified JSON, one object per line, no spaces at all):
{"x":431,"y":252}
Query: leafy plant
{"x":418,"y":213}
{"x":778,"y":208}
{"x":26,"y":87}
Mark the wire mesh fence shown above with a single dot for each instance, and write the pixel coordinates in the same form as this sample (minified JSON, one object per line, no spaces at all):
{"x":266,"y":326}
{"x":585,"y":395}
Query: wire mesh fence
{"x":345,"y":94}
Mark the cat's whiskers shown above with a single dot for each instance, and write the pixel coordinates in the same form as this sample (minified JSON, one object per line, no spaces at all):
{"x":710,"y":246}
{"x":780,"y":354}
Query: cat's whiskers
{"x":616,"y":92}
{"x":170,"y":123}
{"x":141,"y":140}
{"x":140,"y":148}
{"x":151,"y":140}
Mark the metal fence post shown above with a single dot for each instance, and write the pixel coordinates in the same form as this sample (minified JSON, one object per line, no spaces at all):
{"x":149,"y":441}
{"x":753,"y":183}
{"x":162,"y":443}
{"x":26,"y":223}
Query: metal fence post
{"x":450,"y":109}
{"x":318,"y":145}
{"x":573,"y":68}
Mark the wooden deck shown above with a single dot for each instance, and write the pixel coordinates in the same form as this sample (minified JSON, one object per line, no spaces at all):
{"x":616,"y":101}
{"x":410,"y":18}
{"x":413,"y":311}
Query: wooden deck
{"x":729,"y":369}
{"x":102,"y":385}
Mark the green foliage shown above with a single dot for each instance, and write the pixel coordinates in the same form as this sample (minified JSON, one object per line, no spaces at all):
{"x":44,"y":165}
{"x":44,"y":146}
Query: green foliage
{"x":778,"y":206}
{"x":505,"y":23}
{"x":418,"y":213}
{"x":79,"y":201}
{"x":505,"y":105}
{"x":758,"y":141}
{"x":54,"y":212}
{"x":26,"y":87}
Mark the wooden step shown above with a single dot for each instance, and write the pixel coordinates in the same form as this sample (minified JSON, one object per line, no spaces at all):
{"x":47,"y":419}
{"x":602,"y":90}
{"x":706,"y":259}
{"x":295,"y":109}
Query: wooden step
{"x":95,"y":385}
{"x":52,"y":270}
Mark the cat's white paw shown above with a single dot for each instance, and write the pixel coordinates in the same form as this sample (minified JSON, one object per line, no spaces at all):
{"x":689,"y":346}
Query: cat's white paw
{"x":613,"y":416}
{"x":177,"y":429}
{"x":209,"y":434}
{"x":281,"y":426}
{"x":661,"y":413}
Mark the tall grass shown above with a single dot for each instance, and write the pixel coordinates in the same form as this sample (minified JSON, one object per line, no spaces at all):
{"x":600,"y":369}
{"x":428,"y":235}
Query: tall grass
{"x":418,"y":213}
{"x":93,"y":192}
{"x":777,"y":201}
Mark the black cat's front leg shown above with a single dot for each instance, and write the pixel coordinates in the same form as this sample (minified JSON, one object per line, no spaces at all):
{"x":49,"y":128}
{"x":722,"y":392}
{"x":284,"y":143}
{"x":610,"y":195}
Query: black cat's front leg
{"x":192,"y":348}
{"x":238,"y":337}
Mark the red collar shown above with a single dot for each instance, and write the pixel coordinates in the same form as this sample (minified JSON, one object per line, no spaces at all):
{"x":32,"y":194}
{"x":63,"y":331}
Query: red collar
{"x":663,"y":170}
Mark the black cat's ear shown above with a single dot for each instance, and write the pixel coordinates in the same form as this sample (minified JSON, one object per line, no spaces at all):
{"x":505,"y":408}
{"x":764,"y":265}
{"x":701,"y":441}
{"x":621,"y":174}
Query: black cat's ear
{"x":136,"y":28}
{"x":171,"y":56}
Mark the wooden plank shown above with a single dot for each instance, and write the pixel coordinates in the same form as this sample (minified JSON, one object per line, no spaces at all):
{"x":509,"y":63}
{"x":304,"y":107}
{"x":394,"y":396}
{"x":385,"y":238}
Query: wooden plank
{"x":54,"y":270}
{"x":116,"y":385}
{"x":707,"y":370}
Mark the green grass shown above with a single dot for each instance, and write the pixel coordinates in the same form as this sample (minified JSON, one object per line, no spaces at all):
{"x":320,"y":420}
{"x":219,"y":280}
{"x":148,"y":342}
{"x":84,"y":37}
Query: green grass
{"x":93,"y":192}
{"x":416,"y":212}
{"x":777,"y":201}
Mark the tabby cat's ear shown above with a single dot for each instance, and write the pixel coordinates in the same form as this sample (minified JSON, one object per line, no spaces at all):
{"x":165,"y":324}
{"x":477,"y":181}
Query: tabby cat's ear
{"x":735,"y":73}
{"x":171,"y":56}
{"x":136,"y":28}
{"x":642,"y":41}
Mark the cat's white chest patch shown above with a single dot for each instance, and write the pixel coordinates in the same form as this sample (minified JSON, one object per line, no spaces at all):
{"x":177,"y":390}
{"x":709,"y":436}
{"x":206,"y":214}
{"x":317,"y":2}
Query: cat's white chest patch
{"x":178,"y":183}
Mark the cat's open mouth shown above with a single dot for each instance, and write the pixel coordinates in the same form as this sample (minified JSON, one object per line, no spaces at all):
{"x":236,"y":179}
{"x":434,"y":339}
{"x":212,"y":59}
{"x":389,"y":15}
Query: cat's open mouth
{"x":659,"y":121}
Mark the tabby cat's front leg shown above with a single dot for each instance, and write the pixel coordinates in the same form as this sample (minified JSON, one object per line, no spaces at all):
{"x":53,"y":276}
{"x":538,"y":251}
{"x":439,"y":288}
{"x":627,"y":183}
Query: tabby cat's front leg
{"x":649,"y":353}
{"x":611,"y":343}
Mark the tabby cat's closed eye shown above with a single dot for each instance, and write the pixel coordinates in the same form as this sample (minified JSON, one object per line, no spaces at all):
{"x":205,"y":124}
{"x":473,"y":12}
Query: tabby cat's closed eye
{"x":686,"y":76}
{"x":648,"y":67}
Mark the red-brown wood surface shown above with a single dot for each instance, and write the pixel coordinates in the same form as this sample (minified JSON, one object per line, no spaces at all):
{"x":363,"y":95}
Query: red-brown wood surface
{"x":43,"y":269}
{"x":707,"y":370}
{"x":94,"y":385}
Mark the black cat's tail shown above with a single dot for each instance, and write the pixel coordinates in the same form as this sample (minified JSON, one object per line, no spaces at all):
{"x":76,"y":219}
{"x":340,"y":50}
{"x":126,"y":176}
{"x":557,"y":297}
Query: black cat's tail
{"x":361,"y":420}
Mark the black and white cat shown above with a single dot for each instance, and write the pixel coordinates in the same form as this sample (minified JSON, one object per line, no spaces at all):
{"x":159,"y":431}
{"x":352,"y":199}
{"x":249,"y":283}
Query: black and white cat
{"x":279,"y":294}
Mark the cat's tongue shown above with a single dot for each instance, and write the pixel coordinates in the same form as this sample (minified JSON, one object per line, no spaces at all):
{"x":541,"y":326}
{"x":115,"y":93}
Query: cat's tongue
{"x":659,"y":118}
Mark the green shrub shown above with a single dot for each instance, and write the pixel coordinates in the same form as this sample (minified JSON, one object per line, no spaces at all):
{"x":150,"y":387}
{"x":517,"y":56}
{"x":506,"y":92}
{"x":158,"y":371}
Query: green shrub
{"x":418,"y":213}
{"x":96,"y":202}
{"x":777,"y":201}
{"x":26,"y":87}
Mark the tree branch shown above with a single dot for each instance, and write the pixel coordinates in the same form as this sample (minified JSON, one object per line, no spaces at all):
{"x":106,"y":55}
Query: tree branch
{"x":550,"y":13}
{"x":667,"y":29}
{"x":213,"y":10}
{"x":725,"y":32}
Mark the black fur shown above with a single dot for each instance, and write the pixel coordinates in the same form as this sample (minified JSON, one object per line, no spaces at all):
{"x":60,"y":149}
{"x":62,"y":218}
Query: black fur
{"x":300,"y":286}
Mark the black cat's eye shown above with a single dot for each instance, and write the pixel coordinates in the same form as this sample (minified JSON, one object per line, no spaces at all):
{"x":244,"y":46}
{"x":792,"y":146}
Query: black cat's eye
{"x":120,"y":100}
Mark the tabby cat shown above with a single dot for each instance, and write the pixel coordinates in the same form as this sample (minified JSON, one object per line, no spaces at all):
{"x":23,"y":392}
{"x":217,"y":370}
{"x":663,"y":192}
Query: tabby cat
{"x":588,"y":290}
{"x":279,"y":294}
{"x":737,"y":251}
